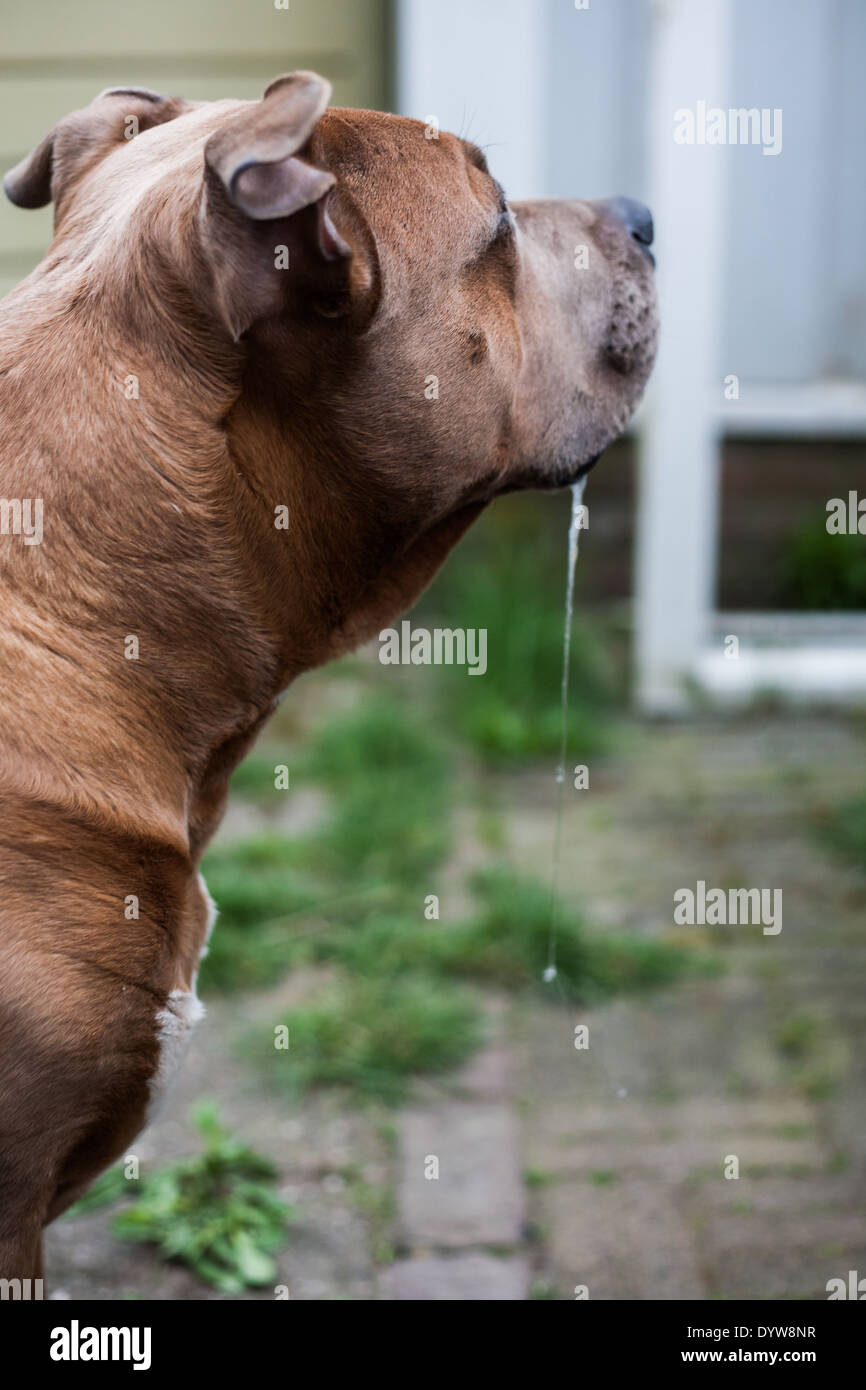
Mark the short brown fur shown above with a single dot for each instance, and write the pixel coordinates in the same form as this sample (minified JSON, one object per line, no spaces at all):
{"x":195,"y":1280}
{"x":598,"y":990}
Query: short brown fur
{"x":258,"y":388}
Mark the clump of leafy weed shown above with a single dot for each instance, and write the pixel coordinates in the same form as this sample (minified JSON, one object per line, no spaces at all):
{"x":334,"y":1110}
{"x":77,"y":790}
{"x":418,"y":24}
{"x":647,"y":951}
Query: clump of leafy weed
{"x":217,"y":1213}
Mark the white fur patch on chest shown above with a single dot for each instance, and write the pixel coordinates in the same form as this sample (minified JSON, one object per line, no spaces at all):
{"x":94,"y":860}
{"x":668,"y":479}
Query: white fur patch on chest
{"x":174,"y":1023}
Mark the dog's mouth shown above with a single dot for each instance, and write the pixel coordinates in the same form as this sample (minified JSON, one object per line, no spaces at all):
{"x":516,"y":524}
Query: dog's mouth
{"x":545,"y":480}
{"x":583,"y":469}
{"x":567,"y":477}
{"x":630,"y":346}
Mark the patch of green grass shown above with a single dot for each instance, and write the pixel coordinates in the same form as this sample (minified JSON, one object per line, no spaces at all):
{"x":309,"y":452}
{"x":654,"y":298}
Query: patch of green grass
{"x":603,"y":1177}
{"x":373,"y":1035}
{"x":388,"y":832}
{"x":389,"y":1136}
{"x":255,"y":777}
{"x":537,"y":1232}
{"x":793,"y":1131}
{"x":840,"y":1162}
{"x":216,"y":1213}
{"x":508,"y":578}
{"x":542,"y":1290}
{"x":385,"y":944}
{"x":536,"y":1177}
{"x":251,"y":957}
{"x":390,"y":779}
{"x":507,"y":944}
{"x":490,"y":829}
{"x":275,"y":915}
{"x":798,"y":1036}
{"x":843,"y":829}
{"x":258,"y":879}
{"x":258,"y":887}
{"x":815,"y":1083}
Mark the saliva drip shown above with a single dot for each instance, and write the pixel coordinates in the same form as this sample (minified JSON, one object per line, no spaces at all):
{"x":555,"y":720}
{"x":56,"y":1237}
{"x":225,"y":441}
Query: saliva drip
{"x":573,"y":543}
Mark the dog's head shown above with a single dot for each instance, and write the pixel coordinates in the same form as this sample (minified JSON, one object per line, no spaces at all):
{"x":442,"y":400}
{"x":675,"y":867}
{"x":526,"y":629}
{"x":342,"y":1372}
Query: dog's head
{"x":407,"y":344}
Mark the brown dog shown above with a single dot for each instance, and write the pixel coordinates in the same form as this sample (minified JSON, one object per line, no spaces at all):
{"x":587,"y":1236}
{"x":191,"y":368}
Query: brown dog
{"x":235,"y":328}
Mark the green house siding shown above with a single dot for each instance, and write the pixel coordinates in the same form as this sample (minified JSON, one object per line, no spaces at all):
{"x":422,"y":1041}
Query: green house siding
{"x":57,"y":55}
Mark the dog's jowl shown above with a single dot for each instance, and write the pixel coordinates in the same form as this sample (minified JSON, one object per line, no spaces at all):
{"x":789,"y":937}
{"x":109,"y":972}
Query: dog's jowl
{"x":239,"y":318}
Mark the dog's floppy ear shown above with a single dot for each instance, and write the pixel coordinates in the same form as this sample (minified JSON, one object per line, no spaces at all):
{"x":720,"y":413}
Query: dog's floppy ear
{"x":252,"y":156}
{"x":267,"y":227}
{"x":28,"y":185}
{"x":82,"y":138}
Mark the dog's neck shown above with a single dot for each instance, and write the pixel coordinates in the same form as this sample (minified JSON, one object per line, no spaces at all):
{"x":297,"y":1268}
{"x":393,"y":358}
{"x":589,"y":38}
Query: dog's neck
{"x":210,"y":554}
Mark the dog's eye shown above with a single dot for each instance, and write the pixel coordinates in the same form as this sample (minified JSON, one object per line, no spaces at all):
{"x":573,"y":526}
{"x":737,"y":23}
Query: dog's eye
{"x":505,"y":223}
{"x":505,"y":226}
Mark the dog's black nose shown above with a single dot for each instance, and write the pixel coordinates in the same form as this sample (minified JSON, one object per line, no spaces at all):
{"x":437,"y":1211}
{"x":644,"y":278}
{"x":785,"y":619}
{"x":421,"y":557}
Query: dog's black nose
{"x":634,"y":216}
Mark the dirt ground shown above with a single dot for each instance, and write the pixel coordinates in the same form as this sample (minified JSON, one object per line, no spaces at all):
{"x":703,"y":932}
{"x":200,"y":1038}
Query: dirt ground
{"x":622,"y":1147}
{"x":630,"y":1138}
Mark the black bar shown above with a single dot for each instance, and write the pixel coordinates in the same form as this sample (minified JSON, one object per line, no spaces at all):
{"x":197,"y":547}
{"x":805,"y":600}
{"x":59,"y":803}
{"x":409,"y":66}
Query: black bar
{"x":255,"y":1336}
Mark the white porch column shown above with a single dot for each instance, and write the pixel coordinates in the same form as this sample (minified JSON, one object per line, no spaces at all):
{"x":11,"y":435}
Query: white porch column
{"x":678,"y":503}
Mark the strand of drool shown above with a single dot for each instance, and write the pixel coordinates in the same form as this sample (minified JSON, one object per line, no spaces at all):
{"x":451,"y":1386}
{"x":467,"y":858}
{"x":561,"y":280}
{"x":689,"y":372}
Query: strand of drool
{"x":573,"y":543}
